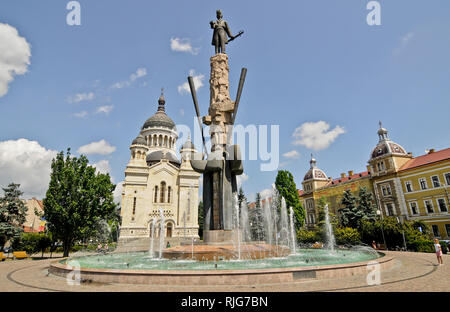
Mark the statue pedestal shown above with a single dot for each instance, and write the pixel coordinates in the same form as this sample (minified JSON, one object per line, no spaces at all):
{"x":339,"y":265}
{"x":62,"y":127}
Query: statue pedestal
{"x":219,"y":237}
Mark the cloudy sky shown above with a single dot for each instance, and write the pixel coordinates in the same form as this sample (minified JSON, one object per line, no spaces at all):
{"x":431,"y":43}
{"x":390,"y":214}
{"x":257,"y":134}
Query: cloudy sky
{"x":315,"y":68}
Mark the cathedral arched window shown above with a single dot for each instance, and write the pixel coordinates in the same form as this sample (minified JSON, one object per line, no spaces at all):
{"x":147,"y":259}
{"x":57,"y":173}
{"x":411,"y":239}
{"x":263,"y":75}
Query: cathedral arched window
{"x":165,"y":141}
{"x":169,"y":191}
{"x":156,"y":194}
{"x":160,"y":140}
{"x":163,"y":192}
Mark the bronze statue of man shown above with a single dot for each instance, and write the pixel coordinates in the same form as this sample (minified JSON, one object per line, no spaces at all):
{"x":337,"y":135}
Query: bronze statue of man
{"x":221,"y":30}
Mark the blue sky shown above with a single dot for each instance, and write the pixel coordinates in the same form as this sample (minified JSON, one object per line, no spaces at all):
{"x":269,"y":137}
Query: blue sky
{"x":308,"y":61}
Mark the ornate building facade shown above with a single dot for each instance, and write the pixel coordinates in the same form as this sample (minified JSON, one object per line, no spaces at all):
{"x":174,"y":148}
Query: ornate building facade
{"x":159,"y":186}
{"x":407,"y":187}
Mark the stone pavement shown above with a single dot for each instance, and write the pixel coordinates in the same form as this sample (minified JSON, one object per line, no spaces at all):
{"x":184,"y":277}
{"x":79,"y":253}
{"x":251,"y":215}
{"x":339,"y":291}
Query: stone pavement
{"x":412,"y":272}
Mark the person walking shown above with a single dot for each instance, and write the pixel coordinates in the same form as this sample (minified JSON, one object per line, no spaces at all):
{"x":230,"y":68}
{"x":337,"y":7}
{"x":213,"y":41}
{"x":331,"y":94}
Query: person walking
{"x":438,"y":249}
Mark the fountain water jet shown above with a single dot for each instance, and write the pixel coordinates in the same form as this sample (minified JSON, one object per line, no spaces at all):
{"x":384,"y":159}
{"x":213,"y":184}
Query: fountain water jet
{"x":292,"y":229}
{"x":161,"y":232}
{"x":330,"y":240}
{"x":152,"y":237}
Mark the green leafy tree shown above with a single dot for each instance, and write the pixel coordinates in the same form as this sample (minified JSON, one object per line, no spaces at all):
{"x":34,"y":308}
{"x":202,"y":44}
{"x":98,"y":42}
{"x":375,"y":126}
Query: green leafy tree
{"x":321,"y":217}
{"x":12,"y":213}
{"x":200,"y":219}
{"x":349,"y":214}
{"x":77,"y":198}
{"x":366,"y":205}
{"x":241,"y":197}
{"x":285,"y":185}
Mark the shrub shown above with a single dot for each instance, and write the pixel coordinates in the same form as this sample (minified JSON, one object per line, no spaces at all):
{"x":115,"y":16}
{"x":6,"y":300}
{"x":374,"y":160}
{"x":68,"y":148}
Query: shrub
{"x":347,"y":235}
{"x":305,"y":236}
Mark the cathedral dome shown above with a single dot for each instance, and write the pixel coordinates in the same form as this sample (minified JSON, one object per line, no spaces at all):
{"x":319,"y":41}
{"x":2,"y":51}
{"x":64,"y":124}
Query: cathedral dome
{"x":157,"y":156}
{"x":385,"y":146}
{"x":139,"y":140}
{"x":160,"y":118}
{"x":314,"y":173}
{"x":188,"y":145}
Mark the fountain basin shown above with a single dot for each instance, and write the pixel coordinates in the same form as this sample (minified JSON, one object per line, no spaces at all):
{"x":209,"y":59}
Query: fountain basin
{"x":225,"y":252}
{"x":140,"y":269}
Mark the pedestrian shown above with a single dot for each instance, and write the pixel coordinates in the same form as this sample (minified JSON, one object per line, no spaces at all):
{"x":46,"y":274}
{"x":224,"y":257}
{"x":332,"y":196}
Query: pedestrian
{"x":438,"y":249}
{"x":168,"y":245}
{"x":106,"y":247}
{"x":374,"y":245}
{"x":99,"y":247}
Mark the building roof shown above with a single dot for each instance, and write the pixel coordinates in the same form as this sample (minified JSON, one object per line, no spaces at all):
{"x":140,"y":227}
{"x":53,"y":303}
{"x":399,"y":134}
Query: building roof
{"x":427,"y":159}
{"x":386,"y":146}
{"x":160,"y":118}
{"x":349,"y":178}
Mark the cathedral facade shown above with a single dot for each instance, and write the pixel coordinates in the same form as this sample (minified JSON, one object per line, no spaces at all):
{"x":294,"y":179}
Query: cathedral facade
{"x":160,"y":191}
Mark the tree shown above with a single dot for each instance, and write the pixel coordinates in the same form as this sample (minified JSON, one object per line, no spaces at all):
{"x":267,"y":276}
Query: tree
{"x":241,"y":197}
{"x":12,"y":213}
{"x":349,"y":214}
{"x":200,"y":219}
{"x":285,"y":185}
{"x":365,"y":205}
{"x":321,"y":217}
{"x":76,"y":199}
{"x":256,"y":220}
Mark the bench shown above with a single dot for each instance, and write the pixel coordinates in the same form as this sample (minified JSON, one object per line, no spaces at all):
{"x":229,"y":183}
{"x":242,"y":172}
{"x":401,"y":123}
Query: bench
{"x":20,"y":254}
{"x":2,"y":257}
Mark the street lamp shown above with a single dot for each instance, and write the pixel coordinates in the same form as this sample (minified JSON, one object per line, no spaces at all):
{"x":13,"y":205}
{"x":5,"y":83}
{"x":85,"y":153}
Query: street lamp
{"x":382,"y":231}
{"x":403,"y":232}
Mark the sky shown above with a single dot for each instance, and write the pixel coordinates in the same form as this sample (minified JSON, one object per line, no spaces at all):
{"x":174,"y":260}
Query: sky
{"x":315,"y":68}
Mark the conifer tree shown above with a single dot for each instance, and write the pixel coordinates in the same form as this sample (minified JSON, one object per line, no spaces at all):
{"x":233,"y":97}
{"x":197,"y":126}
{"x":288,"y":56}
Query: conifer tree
{"x":12,"y":213}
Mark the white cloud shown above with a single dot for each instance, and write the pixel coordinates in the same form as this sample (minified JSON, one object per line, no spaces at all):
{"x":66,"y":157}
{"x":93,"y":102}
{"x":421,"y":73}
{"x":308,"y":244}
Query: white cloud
{"x":265,"y":193}
{"x":118,"y":192}
{"x":183,"y":45}
{"x":106,"y":109}
{"x":81,"y":114}
{"x":315,"y":135}
{"x":240,"y":179}
{"x":27,"y":163}
{"x":15,"y":56}
{"x":140,"y":72}
{"x":181,"y":112}
{"x":102,"y":166}
{"x":198,"y":83}
{"x":292,"y":155}
{"x":101,"y":147}
{"x":79,"y":97}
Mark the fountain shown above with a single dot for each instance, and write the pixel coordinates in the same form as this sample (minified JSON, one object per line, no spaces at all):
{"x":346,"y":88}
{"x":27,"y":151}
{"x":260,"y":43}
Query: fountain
{"x":152,"y":237}
{"x":329,"y":241}
{"x":292,"y":229}
{"x":272,"y":258}
{"x":161,"y":232}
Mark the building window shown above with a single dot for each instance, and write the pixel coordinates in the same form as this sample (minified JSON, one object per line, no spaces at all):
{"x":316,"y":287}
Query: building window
{"x":156,"y":194}
{"x":429,"y":206}
{"x":380,"y":166}
{"x":435,"y":181}
{"x":311,"y":218}
{"x":414,"y":209}
{"x":435,"y":230}
{"x":390,"y":210}
{"x":134,"y":205}
{"x":442,"y":205}
{"x":386,"y":190}
{"x":408,"y":186}
{"x":169,"y":190}
{"x":383,"y":190}
{"x":447,"y":228}
{"x":447,"y":178}
{"x":423,"y":184}
{"x":163,"y":192}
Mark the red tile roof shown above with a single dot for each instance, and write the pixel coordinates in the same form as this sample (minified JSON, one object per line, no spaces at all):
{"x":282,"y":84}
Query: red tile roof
{"x":426,"y":159}
{"x":348,"y":178}
{"x":300,"y":192}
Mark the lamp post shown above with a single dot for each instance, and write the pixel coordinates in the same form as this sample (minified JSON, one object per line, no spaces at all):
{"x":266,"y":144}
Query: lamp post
{"x":382,"y":231}
{"x":403,"y":232}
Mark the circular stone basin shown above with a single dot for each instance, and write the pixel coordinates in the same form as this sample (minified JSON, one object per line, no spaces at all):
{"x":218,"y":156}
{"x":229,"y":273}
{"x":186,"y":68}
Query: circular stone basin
{"x":140,"y":268}
{"x":225,"y":252}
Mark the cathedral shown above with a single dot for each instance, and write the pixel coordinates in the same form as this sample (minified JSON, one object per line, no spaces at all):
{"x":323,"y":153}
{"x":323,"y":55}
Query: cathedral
{"x":158,"y":185}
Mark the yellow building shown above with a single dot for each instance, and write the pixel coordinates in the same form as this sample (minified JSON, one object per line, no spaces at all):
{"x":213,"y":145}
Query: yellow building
{"x":316,"y":184}
{"x":410,"y":188}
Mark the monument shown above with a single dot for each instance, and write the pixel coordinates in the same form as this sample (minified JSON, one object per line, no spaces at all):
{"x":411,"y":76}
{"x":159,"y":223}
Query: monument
{"x":224,"y":162}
